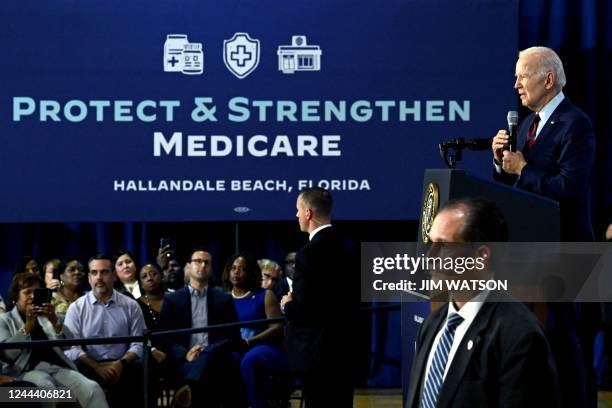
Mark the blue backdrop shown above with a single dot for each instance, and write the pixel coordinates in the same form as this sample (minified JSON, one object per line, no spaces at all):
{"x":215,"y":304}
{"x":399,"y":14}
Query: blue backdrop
{"x":581,"y":32}
{"x":84,"y":92}
{"x":412,"y":51}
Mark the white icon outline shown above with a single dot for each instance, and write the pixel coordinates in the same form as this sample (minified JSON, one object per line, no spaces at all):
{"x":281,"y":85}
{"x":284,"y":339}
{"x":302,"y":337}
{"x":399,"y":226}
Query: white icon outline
{"x":182,"y":56}
{"x":241,"y":54}
{"x":299,"y":56}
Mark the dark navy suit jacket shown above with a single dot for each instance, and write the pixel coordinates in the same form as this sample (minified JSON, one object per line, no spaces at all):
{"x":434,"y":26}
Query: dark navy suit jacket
{"x":502,"y":361}
{"x":176,"y":314}
{"x":559,"y":166}
{"x":325,"y":303}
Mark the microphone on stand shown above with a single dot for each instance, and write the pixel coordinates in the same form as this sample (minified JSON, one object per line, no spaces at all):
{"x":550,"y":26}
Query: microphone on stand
{"x":457,"y":146}
{"x":461,"y":143}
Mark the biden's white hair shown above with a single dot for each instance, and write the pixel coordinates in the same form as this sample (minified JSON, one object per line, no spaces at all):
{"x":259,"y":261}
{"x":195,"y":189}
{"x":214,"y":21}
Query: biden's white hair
{"x":548,"y":61}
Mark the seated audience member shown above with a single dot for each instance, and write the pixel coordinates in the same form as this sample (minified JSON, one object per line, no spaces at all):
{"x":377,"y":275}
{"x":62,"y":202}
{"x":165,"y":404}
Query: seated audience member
{"x":72,"y":286}
{"x":204,"y":359}
{"x":171,"y":268}
{"x":263,"y":357}
{"x":186,"y":274}
{"x":45,"y":367}
{"x":104,"y":312}
{"x":127,"y":281}
{"x":174,"y":276}
{"x":48,"y":268}
{"x":27,"y":264}
{"x":271,"y":278}
{"x":289,"y":270}
{"x":151,"y":303}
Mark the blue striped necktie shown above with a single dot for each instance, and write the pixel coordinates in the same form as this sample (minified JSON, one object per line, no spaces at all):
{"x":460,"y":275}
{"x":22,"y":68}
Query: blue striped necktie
{"x":433,"y":383}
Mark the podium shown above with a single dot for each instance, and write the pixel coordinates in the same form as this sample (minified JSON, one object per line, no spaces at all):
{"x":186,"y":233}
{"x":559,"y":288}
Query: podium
{"x":530,"y":218}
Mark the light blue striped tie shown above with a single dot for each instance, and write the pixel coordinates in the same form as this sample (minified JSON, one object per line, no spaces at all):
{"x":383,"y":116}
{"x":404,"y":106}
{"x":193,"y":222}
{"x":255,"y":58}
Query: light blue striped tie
{"x":433,"y":383}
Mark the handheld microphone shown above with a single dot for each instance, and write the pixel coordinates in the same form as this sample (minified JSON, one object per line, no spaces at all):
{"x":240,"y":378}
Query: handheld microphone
{"x":512,"y":119}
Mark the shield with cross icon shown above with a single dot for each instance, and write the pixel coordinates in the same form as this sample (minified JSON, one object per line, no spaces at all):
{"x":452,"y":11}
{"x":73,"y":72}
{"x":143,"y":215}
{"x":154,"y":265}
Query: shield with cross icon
{"x":241,"y":54}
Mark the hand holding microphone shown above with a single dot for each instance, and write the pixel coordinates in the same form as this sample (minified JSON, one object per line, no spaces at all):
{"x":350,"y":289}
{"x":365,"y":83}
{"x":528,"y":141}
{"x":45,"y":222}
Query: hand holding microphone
{"x":512,"y":119}
{"x":500,"y":143}
{"x":504,"y":147}
{"x":506,"y":140}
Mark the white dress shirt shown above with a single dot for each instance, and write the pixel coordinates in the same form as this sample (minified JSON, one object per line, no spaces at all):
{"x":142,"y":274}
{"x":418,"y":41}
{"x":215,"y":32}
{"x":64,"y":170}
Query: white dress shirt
{"x":545,"y":115}
{"x":469,"y":311}
{"x":314,"y":232}
{"x":547,"y":112}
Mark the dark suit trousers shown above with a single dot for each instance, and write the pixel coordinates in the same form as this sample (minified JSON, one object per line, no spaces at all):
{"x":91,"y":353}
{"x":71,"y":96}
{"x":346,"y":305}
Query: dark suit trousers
{"x":128,"y":391}
{"x":214,"y":378}
{"x":325,"y":387}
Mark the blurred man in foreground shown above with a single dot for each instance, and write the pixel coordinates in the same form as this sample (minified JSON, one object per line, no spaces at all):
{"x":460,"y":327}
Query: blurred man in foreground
{"x":473,"y":352}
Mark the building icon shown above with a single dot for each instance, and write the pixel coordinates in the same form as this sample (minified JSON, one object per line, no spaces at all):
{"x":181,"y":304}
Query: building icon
{"x":299,"y":56}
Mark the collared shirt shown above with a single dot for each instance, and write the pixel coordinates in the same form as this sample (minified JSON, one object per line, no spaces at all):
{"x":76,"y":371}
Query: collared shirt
{"x":88,"y":317}
{"x":199,"y":315}
{"x":469,"y":311}
{"x":544,"y":114}
{"x":314,"y":232}
{"x":547,"y":111}
{"x":133,"y":288}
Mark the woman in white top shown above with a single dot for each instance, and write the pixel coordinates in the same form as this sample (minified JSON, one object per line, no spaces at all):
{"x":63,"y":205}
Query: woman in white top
{"x":127,"y":281}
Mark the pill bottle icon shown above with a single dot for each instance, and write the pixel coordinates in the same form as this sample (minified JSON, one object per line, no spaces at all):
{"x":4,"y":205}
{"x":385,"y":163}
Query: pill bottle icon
{"x":173,"y":52}
{"x":193,"y":59}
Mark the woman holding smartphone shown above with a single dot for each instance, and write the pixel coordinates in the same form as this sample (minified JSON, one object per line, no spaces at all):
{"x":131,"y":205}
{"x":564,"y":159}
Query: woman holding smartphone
{"x":50,"y":274}
{"x":44,"y":366}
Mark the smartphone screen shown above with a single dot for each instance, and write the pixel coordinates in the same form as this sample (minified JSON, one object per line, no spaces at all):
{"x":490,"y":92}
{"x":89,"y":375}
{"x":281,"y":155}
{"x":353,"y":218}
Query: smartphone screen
{"x":56,"y":273}
{"x":166,"y":242}
{"x":41,"y":295}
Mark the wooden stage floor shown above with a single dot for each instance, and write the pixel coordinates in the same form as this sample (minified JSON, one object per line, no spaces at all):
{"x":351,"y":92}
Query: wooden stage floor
{"x":392,"y":398}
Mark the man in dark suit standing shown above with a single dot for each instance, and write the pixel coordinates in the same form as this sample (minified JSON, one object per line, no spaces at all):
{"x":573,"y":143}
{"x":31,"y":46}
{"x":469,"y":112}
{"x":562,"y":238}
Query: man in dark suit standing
{"x":556,"y":161}
{"x":476,"y":350}
{"x":558,"y":143}
{"x":321,"y":310}
{"x":203,"y":359}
